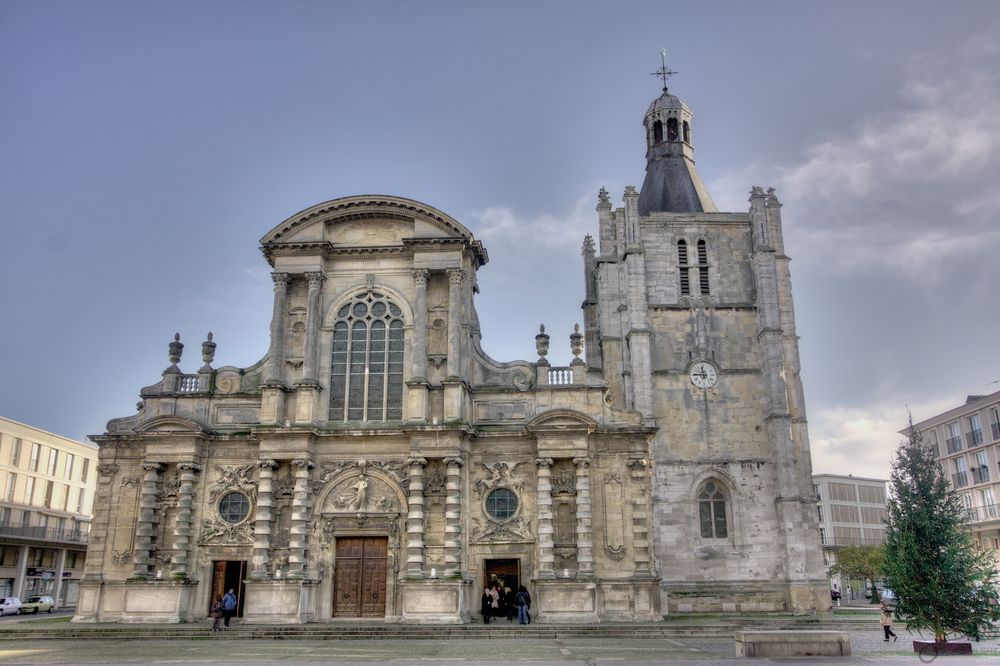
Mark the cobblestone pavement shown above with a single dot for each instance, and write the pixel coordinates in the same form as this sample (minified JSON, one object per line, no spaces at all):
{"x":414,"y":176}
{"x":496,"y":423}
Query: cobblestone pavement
{"x":868,"y":648}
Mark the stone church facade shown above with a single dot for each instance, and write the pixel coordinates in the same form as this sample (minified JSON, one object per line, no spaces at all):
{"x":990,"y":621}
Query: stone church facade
{"x":376,"y":463}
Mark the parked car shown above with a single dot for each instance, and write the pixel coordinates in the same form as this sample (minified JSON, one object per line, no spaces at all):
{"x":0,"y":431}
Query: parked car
{"x":9,"y":605}
{"x":37,"y":603}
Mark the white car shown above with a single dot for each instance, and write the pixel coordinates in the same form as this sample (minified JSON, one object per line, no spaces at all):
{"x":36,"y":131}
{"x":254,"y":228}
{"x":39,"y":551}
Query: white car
{"x":10,"y":605}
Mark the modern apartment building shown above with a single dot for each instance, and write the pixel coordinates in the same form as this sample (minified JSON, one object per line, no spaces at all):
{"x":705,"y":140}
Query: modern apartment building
{"x":851,"y":512}
{"x":967,"y":439}
{"x":47,"y":485}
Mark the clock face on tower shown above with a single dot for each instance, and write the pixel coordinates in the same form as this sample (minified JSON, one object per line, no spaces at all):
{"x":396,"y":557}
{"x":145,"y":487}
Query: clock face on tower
{"x":703,"y":374}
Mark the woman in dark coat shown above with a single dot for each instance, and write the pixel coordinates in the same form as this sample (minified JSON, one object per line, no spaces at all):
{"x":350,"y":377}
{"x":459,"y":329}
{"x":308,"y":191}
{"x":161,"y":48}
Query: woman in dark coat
{"x":486,"y":606}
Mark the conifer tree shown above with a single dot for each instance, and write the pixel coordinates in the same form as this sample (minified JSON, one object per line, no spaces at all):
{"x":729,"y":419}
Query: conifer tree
{"x":943,"y":583}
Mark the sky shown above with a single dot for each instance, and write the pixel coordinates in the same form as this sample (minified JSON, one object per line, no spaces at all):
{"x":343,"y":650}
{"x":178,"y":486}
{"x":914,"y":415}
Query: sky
{"x":146,"y":147}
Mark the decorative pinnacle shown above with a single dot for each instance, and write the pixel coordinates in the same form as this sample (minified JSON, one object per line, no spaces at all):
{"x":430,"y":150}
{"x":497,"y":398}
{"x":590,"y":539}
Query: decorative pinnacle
{"x":663,"y":73}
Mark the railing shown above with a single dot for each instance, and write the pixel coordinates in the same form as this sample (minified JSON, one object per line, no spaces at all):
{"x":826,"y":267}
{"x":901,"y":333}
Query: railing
{"x":980,"y":474}
{"x":188,"y":383}
{"x":959,"y":479}
{"x":954,"y":444}
{"x":560,"y":376}
{"x":44,"y":533}
{"x":852,"y":541}
{"x":979,"y":514}
{"x":974,"y":438}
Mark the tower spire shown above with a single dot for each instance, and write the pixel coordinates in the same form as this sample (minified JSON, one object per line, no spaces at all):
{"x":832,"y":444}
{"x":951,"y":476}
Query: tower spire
{"x":663,"y":73}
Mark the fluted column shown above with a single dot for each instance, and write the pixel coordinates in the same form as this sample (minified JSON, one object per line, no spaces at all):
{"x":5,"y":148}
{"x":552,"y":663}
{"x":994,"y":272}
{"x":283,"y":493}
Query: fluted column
{"x":277,"y":350}
{"x":262,"y":519}
{"x":546,"y":543}
{"x":309,"y":363}
{"x":182,"y":530}
{"x":144,"y":523}
{"x":453,"y":518}
{"x":415,"y":520}
{"x":420,"y":323}
{"x":584,"y":527}
{"x":299,"y":532}
{"x":455,"y":276}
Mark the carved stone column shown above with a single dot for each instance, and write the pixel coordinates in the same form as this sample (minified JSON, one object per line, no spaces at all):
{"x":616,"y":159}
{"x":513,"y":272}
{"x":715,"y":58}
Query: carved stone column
{"x":262,"y":520}
{"x":415,"y":520}
{"x":299,"y":533}
{"x":276,"y":355}
{"x":455,"y":276}
{"x":144,"y":524}
{"x":182,"y":530}
{"x":420,"y":324}
{"x":453,"y":518}
{"x":313,"y":317}
{"x":584,"y":527}
{"x":546,"y":542}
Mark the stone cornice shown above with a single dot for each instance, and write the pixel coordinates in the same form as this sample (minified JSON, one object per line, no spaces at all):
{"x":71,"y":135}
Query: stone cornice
{"x":432,"y":244}
{"x":274,"y":249}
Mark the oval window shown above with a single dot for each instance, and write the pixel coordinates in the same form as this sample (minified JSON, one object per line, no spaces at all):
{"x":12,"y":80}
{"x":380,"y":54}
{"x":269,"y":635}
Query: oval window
{"x":234,"y":507}
{"x":501,"y":504}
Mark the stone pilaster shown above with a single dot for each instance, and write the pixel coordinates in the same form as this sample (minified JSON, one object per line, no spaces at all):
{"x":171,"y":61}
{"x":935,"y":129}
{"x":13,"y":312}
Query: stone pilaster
{"x":415,"y":520}
{"x":310,"y":362}
{"x":262,"y":520}
{"x":546,"y":530}
{"x":276,"y":354}
{"x":455,"y":277}
{"x":643,"y":553}
{"x":144,"y":524}
{"x":453,"y":518}
{"x":584,"y":527}
{"x":299,"y":532}
{"x":182,"y":530}
{"x":419,"y":354}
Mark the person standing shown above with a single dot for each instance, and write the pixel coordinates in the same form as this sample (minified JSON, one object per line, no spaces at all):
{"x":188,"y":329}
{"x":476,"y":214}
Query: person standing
{"x":887,"y":622}
{"x":228,"y":607}
{"x":486,"y":605}
{"x":216,"y":614}
{"x":523,"y":601}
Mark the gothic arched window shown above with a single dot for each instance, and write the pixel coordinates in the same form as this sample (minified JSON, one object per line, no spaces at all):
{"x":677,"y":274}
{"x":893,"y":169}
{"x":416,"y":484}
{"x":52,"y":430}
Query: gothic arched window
{"x":657,"y":132}
{"x":703,"y":267}
{"x":366,"y":372}
{"x":687,"y":132}
{"x":712,"y":511}
{"x":671,"y":129}
{"x":682,"y":267}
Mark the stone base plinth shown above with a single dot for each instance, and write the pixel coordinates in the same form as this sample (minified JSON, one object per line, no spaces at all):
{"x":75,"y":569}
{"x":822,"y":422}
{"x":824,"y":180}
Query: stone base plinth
{"x":792,"y":643}
{"x":152,"y":601}
{"x":588,"y":600}
{"x":635,"y":600}
{"x":278,"y":601}
{"x":564,"y":600}
{"x":434,"y":601}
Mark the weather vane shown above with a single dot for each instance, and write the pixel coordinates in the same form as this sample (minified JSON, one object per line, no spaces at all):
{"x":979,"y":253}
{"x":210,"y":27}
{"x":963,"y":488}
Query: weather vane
{"x":663,"y":73}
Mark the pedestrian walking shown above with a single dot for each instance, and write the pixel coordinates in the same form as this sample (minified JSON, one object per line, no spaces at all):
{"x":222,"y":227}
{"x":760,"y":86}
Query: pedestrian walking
{"x":216,"y":614}
{"x":887,"y":622}
{"x":228,"y":607}
{"x":523,"y":601}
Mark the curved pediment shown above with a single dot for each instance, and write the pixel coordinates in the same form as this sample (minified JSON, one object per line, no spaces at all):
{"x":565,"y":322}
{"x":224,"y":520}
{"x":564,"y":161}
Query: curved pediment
{"x":171,"y":424}
{"x":562,"y":419}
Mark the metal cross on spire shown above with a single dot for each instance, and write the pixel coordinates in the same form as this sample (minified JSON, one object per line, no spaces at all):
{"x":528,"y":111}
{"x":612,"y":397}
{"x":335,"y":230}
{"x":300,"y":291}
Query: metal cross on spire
{"x":663,"y":72}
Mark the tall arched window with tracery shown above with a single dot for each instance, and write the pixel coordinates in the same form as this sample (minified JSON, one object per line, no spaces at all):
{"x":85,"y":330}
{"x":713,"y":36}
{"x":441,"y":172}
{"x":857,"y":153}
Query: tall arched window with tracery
{"x":366,"y":372}
{"x":712,"y":511}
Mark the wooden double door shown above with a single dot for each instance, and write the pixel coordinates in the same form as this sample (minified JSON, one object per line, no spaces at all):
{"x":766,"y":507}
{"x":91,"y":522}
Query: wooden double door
{"x":360,"y":576}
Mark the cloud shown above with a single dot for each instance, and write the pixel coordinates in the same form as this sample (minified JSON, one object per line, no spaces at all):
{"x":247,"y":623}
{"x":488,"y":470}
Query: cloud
{"x":910,"y":191}
{"x":503,"y":224}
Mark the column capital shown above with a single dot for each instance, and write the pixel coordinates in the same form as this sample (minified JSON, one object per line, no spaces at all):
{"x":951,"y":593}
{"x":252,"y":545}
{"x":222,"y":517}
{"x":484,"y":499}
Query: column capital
{"x":582,"y":462}
{"x":152,"y":467}
{"x":453,"y":461}
{"x":543,"y":463}
{"x":267,"y":464}
{"x":303,"y":463}
{"x":189,"y":467}
{"x":281,"y":280}
{"x":455,"y":275}
{"x":315,"y":279}
{"x":416,"y":462}
{"x":638,"y":464}
{"x":420,"y":276}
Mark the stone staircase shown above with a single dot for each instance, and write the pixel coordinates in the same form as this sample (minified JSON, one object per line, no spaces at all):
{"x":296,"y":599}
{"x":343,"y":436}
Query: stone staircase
{"x":716,"y":626}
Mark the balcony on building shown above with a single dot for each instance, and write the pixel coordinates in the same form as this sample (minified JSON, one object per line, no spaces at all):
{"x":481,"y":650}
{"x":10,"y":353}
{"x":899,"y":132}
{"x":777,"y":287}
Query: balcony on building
{"x":974,"y":438}
{"x":959,"y":479}
{"x":954,"y":444}
{"x":980,"y":474}
{"x":56,"y":535}
{"x":982,"y":514}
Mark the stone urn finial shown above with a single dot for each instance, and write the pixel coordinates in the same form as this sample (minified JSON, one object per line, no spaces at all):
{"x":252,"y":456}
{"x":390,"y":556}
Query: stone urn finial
{"x":542,"y":345}
{"x":176,"y":348}
{"x":576,"y":345}
{"x":207,"y":353}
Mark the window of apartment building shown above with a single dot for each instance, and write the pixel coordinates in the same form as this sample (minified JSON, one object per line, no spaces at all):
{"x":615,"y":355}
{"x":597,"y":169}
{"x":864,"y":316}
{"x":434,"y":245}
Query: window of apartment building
{"x":85,"y":470}
{"x":975,"y":435}
{"x":873,"y":515}
{"x":71,"y":557}
{"x":25,"y":518}
{"x":844,"y":513}
{"x":873,"y":537}
{"x":995,"y":422}
{"x":15,"y":452}
{"x":966,"y":499}
{"x":8,"y":556}
{"x":960,"y":477}
{"x":42,"y":521}
{"x":989,"y":509}
{"x":53,"y":462}
{"x":847,"y":536}
{"x":33,"y":456}
{"x":843,"y":492}
{"x":981,"y":468}
{"x":65,"y":497}
{"x":954,"y":437}
{"x":29,"y":489}
{"x":872,"y":494}
{"x":60,"y":527}
{"x":822,"y":536}
{"x":819,"y":495}
{"x":80,"y":500}
{"x":36,"y":556}
{"x":8,"y":491}
{"x":68,"y":468}
{"x":49,"y":488}
{"x":819,"y":513}
{"x":4,"y":516}
{"x":932,"y":439}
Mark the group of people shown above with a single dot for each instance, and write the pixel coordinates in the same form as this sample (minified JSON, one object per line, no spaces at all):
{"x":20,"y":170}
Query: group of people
{"x":223,"y":609}
{"x":501,"y":601}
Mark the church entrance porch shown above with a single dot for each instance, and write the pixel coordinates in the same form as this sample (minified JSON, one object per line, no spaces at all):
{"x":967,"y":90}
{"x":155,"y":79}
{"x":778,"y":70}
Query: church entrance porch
{"x":505,"y":572}
{"x":229,"y":575}
{"x":360,"y":577}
